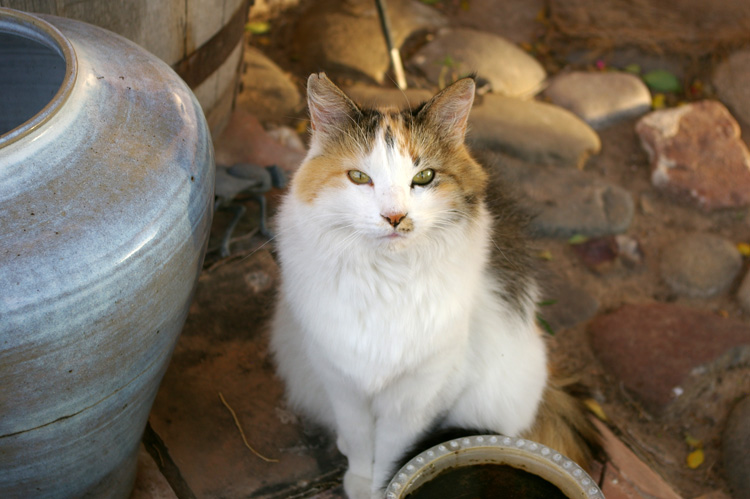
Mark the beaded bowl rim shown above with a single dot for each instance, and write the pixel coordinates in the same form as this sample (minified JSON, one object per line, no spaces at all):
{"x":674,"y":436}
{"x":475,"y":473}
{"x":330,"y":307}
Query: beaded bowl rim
{"x":431,"y":462}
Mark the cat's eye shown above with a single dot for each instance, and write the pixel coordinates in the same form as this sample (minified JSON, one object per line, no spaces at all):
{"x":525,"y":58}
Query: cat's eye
{"x":424,"y":177}
{"x":358,"y":177}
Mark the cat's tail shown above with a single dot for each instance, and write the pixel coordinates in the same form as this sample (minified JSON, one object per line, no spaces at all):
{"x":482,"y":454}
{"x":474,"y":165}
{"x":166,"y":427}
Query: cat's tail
{"x":562,"y":423}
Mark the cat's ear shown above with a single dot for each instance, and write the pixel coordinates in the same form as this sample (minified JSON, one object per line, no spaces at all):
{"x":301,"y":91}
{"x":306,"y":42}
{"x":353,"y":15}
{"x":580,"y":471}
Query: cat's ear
{"x":449,"y":110}
{"x":329,"y":107}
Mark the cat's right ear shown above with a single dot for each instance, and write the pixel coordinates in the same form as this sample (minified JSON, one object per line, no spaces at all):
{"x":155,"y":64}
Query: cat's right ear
{"x":330,"y":108}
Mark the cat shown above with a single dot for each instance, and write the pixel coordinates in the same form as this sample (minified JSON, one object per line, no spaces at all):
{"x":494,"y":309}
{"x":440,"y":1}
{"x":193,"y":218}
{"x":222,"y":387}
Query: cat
{"x":407,"y":298}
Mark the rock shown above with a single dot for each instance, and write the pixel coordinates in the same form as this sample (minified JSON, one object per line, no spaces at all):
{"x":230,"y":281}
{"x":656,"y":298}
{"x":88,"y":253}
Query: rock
{"x":736,"y":449}
{"x":697,"y":154}
{"x":516,"y":20}
{"x":267,"y":92}
{"x":344,"y":37}
{"x":743,"y":294}
{"x":458,"y":52}
{"x":732,"y":82}
{"x":700,"y":265}
{"x":565,"y":304}
{"x":652,"y":348}
{"x":370,"y":96}
{"x":569,"y":202}
{"x":600,"y":99}
{"x":534,"y":131}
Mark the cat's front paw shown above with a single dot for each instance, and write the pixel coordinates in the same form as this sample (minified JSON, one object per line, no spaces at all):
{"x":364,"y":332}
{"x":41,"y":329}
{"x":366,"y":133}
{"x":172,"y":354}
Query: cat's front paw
{"x":357,"y":487}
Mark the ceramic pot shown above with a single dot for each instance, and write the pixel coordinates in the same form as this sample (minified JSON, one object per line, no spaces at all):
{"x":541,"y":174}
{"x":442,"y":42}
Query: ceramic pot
{"x":518,"y":453}
{"x":106,"y":194}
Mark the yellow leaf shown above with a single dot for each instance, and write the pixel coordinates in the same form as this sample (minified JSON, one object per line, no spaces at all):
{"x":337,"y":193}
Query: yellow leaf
{"x":595,"y":408}
{"x":545,"y":255}
{"x":302,"y":126}
{"x":657,"y":102}
{"x":695,"y":459}
{"x":744,"y":249}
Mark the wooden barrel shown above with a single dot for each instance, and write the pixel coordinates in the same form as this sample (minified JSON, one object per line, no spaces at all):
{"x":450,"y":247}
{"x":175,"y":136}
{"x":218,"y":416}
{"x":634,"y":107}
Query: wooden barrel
{"x":201,"y":39}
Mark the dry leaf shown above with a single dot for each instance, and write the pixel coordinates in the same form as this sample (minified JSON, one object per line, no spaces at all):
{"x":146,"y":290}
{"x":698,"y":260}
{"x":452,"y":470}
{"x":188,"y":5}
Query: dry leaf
{"x":695,"y":459}
{"x":595,"y":408}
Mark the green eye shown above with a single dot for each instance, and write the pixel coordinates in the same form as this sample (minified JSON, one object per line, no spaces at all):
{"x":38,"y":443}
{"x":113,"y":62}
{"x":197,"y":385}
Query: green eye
{"x":358,"y":177}
{"x":424,"y":177}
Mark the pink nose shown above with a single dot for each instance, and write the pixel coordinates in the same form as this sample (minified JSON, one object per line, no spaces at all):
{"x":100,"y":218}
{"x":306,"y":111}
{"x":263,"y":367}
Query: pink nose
{"x":394,"y":218}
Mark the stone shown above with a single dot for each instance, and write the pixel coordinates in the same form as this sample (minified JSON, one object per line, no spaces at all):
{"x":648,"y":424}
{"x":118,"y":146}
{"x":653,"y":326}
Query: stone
{"x":700,"y":265}
{"x":697,"y":154}
{"x":458,"y":52}
{"x":600,"y":99}
{"x":245,"y":141}
{"x":516,"y":20}
{"x":736,"y":449}
{"x":267,"y":91}
{"x":743,"y":294}
{"x":652,"y":348}
{"x":626,"y":476}
{"x":371,"y":96}
{"x":570,"y":202}
{"x":345,"y":37}
{"x":149,"y":482}
{"x":732,"y":81}
{"x":565,"y":304}
{"x":534,"y":131}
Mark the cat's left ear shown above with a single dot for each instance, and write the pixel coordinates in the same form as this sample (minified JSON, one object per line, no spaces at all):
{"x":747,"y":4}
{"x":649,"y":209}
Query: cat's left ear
{"x":330,"y":108}
{"x":449,"y":110}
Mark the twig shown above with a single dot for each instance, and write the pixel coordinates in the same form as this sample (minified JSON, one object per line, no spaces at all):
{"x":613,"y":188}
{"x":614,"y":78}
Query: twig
{"x":242,"y":433}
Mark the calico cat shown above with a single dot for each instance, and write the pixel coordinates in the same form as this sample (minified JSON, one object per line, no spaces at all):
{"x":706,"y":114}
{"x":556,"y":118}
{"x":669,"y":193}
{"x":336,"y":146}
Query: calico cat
{"x":407,"y":300}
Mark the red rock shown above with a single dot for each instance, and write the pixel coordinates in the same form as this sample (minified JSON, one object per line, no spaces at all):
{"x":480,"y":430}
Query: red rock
{"x":652,"y":348}
{"x":697,"y":154}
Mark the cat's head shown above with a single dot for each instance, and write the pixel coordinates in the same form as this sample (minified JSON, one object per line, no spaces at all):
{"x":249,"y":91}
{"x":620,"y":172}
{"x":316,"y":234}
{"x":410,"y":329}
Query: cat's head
{"x":390,"y":177}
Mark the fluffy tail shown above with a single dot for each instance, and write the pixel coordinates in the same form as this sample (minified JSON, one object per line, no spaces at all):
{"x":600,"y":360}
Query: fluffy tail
{"x":562,"y":424}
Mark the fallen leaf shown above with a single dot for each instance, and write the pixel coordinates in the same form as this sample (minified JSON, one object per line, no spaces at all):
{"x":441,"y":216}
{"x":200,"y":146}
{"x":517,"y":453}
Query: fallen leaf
{"x":258,"y":27}
{"x":545,"y":255}
{"x":693,"y":442}
{"x":545,"y":325}
{"x":593,"y":406}
{"x":661,"y":80}
{"x":744,"y":249}
{"x":632,"y":68}
{"x":695,"y":459}
{"x":657,"y":101}
{"x":578,"y":239}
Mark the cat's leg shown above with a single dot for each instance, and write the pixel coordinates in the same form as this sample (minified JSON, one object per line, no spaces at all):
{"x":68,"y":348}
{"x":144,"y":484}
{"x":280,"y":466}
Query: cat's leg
{"x":355,"y":436}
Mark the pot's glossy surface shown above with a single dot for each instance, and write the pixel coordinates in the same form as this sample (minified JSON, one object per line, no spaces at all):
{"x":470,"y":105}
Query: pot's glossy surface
{"x":106,"y":197}
{"x":519,"y":453}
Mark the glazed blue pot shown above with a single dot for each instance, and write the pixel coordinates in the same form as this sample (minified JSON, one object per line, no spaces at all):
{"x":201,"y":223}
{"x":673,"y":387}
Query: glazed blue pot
{"x":106,"y":194}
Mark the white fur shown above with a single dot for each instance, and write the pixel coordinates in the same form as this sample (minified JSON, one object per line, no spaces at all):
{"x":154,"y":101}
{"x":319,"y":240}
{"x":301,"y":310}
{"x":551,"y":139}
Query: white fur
{"x":376,"y":338}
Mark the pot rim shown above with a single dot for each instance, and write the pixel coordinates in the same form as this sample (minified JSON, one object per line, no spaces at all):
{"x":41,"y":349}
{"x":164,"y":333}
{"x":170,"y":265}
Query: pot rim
{"x":520,"y":453}
{"x":33,"y":28}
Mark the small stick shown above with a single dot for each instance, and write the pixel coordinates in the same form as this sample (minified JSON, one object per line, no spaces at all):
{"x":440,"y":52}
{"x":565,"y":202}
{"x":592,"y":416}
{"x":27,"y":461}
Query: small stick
{"x":242,"y":433}
{"x":393,"y":53}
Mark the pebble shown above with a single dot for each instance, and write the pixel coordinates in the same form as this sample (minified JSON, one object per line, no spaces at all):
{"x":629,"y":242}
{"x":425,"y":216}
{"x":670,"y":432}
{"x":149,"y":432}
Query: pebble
{"x":534,"y":131}
{"x":568,"y":202}
{"x":459,"y":52}
{"x":600,"y":99}
{"x":743,"y":294}
{"x":697,"y":154}
{"x":736,"y":449}
{"x":732,"y":81}
{"x":652,"y":348}
{"x":267,"y":91}
{"x":346,"y":38}
{"x":700,"y":265}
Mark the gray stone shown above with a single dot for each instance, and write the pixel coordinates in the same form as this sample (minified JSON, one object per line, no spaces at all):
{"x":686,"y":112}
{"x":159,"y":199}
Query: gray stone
{"x":371,"y":96}
{"x":743,"y":294}
{"x":600,"y":99}
{"x":534,"y":131}
{"x":344,"y":37}
{"x":736,"y":449}
{"x":697,"y":154}
{"x":700,"y":265}
{"x":458,"y":52}
{"x":267,"y":92}
{"x":652,"y":348}
{"x":565,"y":304}
{"x":570,"y":202}
{"x":732,"y":82}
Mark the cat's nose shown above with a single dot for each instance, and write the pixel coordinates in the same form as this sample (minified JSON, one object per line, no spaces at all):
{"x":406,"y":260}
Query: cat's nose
{"x":394,"y":218}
